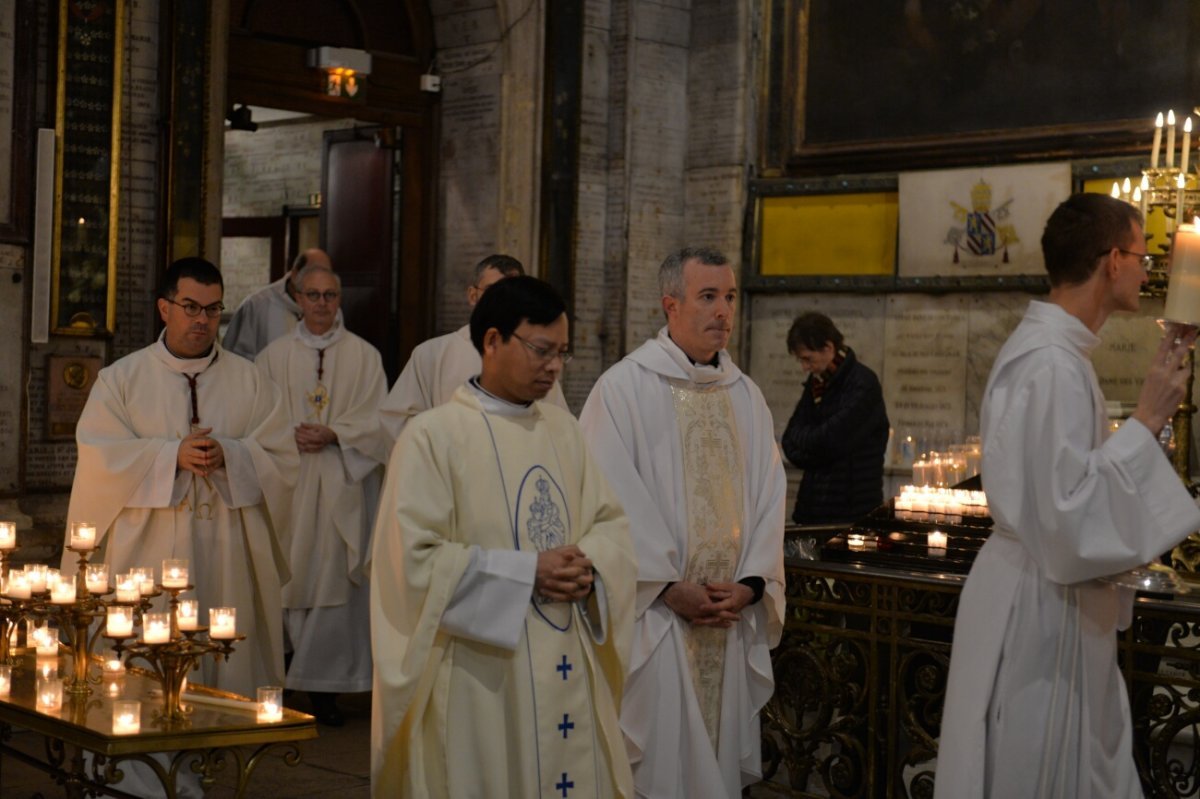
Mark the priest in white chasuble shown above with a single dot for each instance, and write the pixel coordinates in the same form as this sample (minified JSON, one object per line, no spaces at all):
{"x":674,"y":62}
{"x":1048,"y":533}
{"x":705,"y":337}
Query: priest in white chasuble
{"x":1035,"y":703}
{"x":687,"y":442}
{"x":185,"y":451}
{"x":437,"y":367}
{"x":501,"y":583}
{"x":332,"y":382}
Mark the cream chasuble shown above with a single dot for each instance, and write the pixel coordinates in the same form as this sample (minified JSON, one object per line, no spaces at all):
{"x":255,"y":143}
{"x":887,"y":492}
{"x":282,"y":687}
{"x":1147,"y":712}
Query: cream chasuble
{"x":690,"y":452}
{"x":481,"y":691}
{"x":229,"y":525}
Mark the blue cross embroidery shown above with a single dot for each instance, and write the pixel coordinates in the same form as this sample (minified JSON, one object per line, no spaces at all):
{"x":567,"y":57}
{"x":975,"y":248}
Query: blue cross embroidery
{"x":564,"y":786}
{"x":566,"y":725}
{"x":564,"y":667}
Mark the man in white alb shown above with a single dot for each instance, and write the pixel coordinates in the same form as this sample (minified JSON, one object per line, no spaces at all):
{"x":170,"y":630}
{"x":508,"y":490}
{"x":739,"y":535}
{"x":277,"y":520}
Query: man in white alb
{"x":437,"y":367}
{"x":1035,"y":704}
{"x":502,"y":583}
{"x":333,"y":382}
{"x":271,"y":311}
{"x":185,"y":452}
{"x":687,"y":442}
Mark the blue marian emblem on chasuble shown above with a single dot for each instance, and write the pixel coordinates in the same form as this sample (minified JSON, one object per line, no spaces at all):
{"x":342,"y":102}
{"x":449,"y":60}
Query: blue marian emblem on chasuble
{"x":542,"y":521}
{"x":983,"y":234}
{"x":545,"y":526}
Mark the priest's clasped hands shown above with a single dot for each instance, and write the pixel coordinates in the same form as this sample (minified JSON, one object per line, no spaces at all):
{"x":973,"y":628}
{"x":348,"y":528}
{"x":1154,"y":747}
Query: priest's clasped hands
{"x":710,"y":605}
{"x":314,"y":437}
{"x":200,"y":454}
{"x":564,"y":574}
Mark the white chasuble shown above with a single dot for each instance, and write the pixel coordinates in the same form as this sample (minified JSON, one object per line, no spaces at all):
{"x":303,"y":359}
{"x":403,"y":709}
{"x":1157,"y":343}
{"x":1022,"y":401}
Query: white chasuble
{"x":481,"y":688}
{"x":712,"y":479}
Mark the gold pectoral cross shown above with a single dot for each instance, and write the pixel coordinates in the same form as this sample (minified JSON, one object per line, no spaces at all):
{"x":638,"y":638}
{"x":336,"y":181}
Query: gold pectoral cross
{"x":318,"y":400}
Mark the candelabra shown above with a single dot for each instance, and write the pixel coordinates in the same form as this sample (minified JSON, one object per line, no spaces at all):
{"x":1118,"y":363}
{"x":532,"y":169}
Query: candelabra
{"x":10,"y":613}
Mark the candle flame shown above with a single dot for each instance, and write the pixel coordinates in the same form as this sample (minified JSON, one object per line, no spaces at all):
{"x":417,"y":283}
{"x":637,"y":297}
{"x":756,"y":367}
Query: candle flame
{"x":1145,"y":183}
{"x":1137,"y":194}
{"x":1187,"y":126}
{"x":1116,"y":191}
{"x":1158,"y":121}
{"x":1171,"y":117}
{"x":1125,"y":186}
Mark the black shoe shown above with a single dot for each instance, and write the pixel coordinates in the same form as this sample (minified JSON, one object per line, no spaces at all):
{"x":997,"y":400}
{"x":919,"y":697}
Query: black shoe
{"x":325,"y":709}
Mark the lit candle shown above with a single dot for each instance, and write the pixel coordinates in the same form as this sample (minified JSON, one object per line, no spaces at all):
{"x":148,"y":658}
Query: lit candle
{"x":37,"y":574}
{"x":188,"y":614}
{"x":18,"y":585}
{"x":97,"y":578}
{"x":1187,"y":141}
{"x":128,"y":588}
{"x":175,"y":574}
{"x":8,"y":535}
{"x":46,"y":640}
{"x":53,"y":578}
{"x":938,"y":540}
{"x":156,"y":629}
{"x":145,"y":578}
{"x":1158,"y":126}
{"x":1183,"y":289}
{"x":1170,"y":138}
{"x":1143,"y":196}
{"x":270,"y":704}
{"x":223,"y":622}
{"x":49,"y":693}
{"x":5,"y":679}
{"x":1116,"y":191}
{"x":856,"y":541}
{"x":82,"y":537}
{"x":120,"y":622}
{"x":113,"y":666}
{"x":113,"y":687}
{"x":63,"y":593}
{"x":127,"y":717}
{"x":1125,"y":189}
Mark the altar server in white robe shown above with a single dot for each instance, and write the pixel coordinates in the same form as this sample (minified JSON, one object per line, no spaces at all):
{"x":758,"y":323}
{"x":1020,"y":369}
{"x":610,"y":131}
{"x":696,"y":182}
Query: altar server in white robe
{"x":333,"y":382}
{"x":1035,"y":705}
{"x":270,"y":312}
{"x":185,"y":451}
{"x":687,"y":442}
{"x":437,"y":367}
{"x":502,"y":583}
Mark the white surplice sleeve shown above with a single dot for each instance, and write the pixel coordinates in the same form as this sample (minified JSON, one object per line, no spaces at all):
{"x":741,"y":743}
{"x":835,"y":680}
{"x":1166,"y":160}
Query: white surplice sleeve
{"x":490,"y":602}
{"x":1082,"y":511}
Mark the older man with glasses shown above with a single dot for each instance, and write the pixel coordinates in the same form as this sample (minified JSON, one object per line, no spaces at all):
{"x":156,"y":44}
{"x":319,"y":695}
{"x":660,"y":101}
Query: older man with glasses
{"x":333,"y":382}
{"x":185,"y":452}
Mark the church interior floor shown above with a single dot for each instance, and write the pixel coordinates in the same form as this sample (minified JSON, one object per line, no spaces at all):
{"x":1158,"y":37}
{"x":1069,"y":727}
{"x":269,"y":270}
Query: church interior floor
{"x":337,"y":763}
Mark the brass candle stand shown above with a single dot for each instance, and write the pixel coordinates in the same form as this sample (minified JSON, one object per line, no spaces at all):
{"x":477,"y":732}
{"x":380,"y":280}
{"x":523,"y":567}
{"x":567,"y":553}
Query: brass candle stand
{"x":11,"y":613}
{"x":172,"y":660}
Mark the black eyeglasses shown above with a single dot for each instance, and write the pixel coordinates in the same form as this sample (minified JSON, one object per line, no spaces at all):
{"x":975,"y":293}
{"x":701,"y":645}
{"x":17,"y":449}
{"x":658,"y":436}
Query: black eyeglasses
{"x":194,"y":308}
{"x":545,"y":354}
{"x":1146,"y":259}
{"x":316,"y":296}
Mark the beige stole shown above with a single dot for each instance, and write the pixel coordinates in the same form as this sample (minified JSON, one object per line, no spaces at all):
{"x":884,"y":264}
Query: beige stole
{"x":712,"y":480}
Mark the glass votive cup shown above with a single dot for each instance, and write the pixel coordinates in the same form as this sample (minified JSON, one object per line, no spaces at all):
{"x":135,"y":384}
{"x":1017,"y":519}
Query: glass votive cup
{"x":222,"y":623}
{"x":81,"y":537}
{"x":156,"y":628}
{"x":119,"y":623}
{"x":49,"y":693}
{"x":17,"y":586}
{"x":5,"y":679}
{"x":113,"y":687}
{"x":8,"y":535}
{"x":187,"y":614}
{"x":46,"y":640}
{"x":63,"y":592}
{"x":96,"y":578}
{"x":144,"y":577}
{"x":270,"y":704}
{"x":856,"y":541}
{"x":46,"y":667}
{"x":37,"y":574}
{"x":175,"y":573}
{"x":112,"y":666}
{"x":127,"y":717}
{"x":128,"y":587}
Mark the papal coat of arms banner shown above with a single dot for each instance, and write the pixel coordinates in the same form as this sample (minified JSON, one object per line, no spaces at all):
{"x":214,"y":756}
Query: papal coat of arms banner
{"x":978,"y":221}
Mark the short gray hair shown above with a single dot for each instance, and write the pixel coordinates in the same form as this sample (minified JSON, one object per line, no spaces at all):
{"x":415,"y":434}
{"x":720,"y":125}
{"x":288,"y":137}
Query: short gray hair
{"x":670,"y":274}
{"x":313,"y":269}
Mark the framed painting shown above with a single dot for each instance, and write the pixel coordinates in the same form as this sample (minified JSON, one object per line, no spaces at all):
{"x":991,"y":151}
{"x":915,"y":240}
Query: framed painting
{"x":856,"y":87}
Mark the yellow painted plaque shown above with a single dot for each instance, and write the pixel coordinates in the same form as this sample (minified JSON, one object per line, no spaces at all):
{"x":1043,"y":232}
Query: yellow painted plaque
{"x":829,"y":234}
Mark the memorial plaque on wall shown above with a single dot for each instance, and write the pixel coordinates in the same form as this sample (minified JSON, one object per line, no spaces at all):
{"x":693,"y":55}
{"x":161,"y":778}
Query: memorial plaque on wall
{"x":90,"y":46}
{"x":68,"y":381}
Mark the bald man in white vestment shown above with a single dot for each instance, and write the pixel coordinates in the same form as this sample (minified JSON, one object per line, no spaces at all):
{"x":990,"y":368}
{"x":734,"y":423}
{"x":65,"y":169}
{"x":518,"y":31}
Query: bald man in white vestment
{"x":687,"y":442}
{"x":501,"y":583}
{"x":1035,"y":704}
{"x":270,"y":312}
{"x":185,"y":451}
{"x":332,"y":382}
{"x":437,"y":367}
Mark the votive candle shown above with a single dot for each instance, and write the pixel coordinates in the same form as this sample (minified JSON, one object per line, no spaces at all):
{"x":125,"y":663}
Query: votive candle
{"x":156,"y":628}
{"x":188,"y":614}
{"x":97,"y":578}
{"x":127,"y":717}
{"x":128,"y":589}
{"x":37,"y":574}
{"x":63,"y":593}
{"x":222,"y":622}
{"x":49,"y":693}
{"x":5,"y":679}
{"x":145,"y":579}
{"x":82,"y":537}
{"x":46,"y":641}
{"x":856,"y":541}
{"x":113,"y":666}
{"x":18,"y":585}
{"x":8,"y":535}
{"x":270,"y":704}
{"x":175,"y":573}
{"x":120,"y":622}
{"x":937,"y":542}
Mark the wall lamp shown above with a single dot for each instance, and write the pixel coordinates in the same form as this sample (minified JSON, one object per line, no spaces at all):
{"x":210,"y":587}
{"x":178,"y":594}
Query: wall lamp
{"x":345,"y":69}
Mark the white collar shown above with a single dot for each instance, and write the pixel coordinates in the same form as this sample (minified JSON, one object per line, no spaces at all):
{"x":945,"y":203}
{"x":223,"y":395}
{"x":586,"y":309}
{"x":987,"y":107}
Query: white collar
{"x":326,"y":339}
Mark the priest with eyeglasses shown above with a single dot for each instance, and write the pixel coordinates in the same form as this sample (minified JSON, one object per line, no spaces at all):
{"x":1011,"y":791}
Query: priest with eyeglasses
{"x":186,"y":451}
